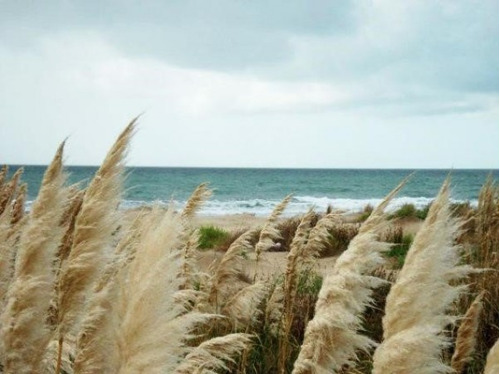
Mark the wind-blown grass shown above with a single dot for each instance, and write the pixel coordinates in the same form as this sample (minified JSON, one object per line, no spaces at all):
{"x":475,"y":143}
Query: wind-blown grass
{"x":88,"y":289}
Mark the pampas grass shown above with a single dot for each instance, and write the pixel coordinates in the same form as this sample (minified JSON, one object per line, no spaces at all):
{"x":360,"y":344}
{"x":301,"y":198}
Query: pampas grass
{"x":467,"y":335}
{"x":98,"y":345}
{"x":243,"y":307}
{"x":87,"y":289}
{"x":492,"y":360}
{"x":18,"y":206}
{"x":269,"y":233}
{"x":3,"y":174}
{"x":92,"y":234}
{"x":229,"y":270}
{"x":24,"y":334}
{"x":296,"y":259}
{"x":198,"y":197}
{"x":8,"y":191}
{"x":331,"y":337}
{"x":418,"y":303}
{"x":213,"y":354}
{"x":153,"y":325}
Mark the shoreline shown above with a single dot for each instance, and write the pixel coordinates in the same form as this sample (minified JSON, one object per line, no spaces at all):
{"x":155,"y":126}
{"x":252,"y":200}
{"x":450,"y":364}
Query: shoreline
{"x":234,"y":222}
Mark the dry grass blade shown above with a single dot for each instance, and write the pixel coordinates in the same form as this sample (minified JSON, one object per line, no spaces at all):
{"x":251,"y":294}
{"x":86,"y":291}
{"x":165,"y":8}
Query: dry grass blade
{"x":417,"y":304}
{"x":269,"y":234}
{"x":92,"y":234}
{"x":492,"y":360}
{"x":319,"y":236}
{"x":189,"y":266}
{"x":152,"y":338}
{"x":25,"y":335}
{"x":485,"y":256}
{"x":229,"y":269}
{"x":19,"y":202}
{"x":3,"y":175}
{"x":467,"y":335}
{"x":213,"y":354}
{"x":69,"y":218}
{"x":201,"y":194}
{"x":8,"y":191}
{"x":295,"y":261}
{"x":97,"y":346}
{"x":332,"y":337}
{"x":243,"y":308}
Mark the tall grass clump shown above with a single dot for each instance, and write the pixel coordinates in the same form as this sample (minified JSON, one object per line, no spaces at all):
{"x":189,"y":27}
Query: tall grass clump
{"x":270,"y":233}
{"x":332,"y":337}
{"x":25,"y":333}
{"x":88,"y":289}
{"x":91,"y":240}
{"x":485,"y":256}
{"x":465,"y":343}
{"x":211,"y":236}
{"x":492,"y":360}
{"x":418,"y":305}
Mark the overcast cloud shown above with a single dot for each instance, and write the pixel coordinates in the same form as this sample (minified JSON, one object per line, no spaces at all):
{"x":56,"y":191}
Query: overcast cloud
{"x":381,"y":83}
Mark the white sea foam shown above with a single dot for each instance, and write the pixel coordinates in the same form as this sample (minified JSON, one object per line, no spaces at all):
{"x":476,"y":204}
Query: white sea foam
{"x":298,"y":205}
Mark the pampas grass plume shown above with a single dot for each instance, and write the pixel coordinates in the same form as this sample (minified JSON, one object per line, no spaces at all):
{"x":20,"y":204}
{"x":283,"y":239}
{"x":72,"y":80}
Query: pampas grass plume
{"x":331,"y":338}
{"x":417,"y":304}
{"x":492,"y":360}
{"x":269,"y":234}
{"x":213,"y":354}
{"x":467,"y":335}
{"x":25,"y":335}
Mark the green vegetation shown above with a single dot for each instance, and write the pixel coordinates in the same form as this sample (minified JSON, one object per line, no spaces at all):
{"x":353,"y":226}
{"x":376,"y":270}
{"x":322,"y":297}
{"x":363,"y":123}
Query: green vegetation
{"x":367,"y":210}
{"x":409,"y":210}
{"x":399,"y":251}
{"x":211,"y":236}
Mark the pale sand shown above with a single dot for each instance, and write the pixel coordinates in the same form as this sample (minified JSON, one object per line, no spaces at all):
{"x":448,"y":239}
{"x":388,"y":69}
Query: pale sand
{"x":231,"y":222}
{"x":270,"y":263}
{"x":240,"y":222}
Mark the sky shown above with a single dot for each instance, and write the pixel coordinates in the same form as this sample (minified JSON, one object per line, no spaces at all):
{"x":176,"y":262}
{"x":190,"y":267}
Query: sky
{"x":252,"y":83}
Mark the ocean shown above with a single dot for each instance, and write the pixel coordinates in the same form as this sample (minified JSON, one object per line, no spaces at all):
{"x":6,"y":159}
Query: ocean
{"x":256,"y":191}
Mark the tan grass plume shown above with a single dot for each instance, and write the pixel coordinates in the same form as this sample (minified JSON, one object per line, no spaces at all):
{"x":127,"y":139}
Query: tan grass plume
{"x":229,"y":270}
{"x":465,"y":342}
{"x":24,"y":333}
{"x":333,"y":336}
{"x":269,"y":234}
{"x":154,"y":326}
{"x":92,"y":233}
{"x":19,"y":203}
{"x":213,"y":354}
{"x":94,"y":225}
{"x":3,"y":174}
{"x":416,"y":311}
{"x":8,"y":190}
{"x":492,"y":360}
{"x":295,"y":261}
{"x":201,"y":194}
{"x":243,"y":308}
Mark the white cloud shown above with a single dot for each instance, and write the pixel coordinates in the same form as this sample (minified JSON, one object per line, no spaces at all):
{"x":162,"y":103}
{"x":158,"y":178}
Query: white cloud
{"x":251,"y":86}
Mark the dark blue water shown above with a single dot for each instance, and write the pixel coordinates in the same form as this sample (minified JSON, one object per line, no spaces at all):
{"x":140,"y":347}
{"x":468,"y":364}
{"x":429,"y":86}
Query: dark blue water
{"x":257,"y":190}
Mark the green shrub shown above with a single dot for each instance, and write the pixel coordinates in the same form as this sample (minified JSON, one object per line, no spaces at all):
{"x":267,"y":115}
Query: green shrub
{"x":409,"y":210}
{"x":367,"y":210}
{"x":400,"y":249}
{"x":339,"y":239}
{"x":422,"y":213}
{"x":211,"y":236}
